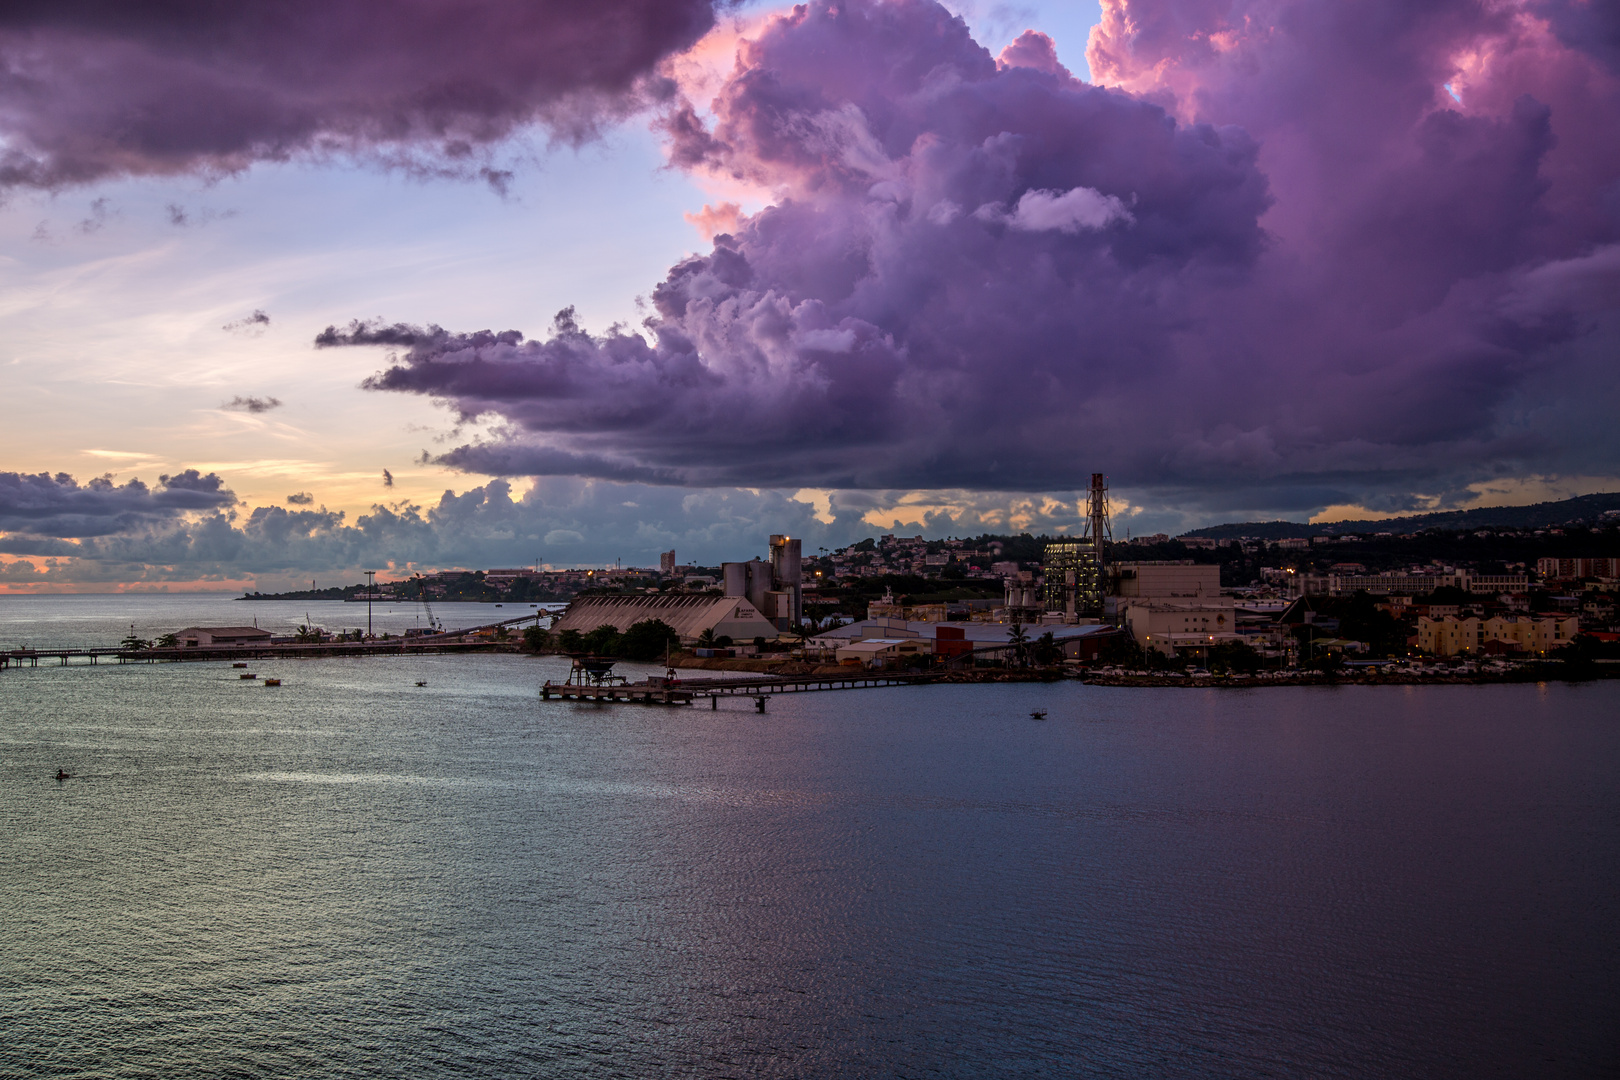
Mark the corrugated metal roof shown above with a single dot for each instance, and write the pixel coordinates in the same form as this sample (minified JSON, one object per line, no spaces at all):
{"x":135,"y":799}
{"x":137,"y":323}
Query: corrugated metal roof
{"x":224,"y":631}
{"x":688,"y":615}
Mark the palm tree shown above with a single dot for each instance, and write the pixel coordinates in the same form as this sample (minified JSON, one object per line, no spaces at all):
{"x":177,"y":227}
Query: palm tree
{"x":705,"y":640}
{"x":1019,"y":640}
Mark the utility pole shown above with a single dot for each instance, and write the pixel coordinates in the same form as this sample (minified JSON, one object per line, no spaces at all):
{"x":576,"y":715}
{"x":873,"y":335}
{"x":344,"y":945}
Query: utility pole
{"x":371,"y":589}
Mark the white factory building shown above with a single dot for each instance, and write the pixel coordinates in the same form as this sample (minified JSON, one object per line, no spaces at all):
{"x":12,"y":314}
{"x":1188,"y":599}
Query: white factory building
{"x":1169,"y":606}
{"x":876,"y":640}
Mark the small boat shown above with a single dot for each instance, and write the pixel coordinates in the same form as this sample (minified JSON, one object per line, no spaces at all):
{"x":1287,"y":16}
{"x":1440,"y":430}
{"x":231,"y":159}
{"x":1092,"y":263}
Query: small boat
{"x":240,"y":664}
{"x":1037,"y":714}
{"x":421,"y":682}
{"x":272,"y":682}
{"x":247,"y":675}
{"x":62,"y":774}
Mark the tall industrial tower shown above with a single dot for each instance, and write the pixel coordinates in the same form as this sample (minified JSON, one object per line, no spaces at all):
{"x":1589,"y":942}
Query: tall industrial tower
{"x":1099,"y":534}
{"x":1076,"y":574}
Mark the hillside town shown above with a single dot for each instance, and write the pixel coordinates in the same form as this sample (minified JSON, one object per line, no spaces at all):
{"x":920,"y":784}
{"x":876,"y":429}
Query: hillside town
{"x":1193,"y":603}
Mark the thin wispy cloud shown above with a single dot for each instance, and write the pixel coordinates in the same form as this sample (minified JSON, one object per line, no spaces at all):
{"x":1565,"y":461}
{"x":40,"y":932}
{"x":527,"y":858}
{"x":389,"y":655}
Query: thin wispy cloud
{"x":253,"y":324}
{"x":252,"y":404}
{"x":96,"y":220}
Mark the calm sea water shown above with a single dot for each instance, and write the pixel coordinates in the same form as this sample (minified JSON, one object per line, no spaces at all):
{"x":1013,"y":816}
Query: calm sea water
{"x":353,"y":876}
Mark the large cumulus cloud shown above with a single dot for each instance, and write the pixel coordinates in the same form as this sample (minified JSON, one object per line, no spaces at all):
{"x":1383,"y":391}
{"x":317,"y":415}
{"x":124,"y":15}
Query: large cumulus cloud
{"x":93,"y":534}
{"x":44,"y":508}
{"x":564,"y":521}
{"x":1320,"y":250}
{"x":97,"y":88}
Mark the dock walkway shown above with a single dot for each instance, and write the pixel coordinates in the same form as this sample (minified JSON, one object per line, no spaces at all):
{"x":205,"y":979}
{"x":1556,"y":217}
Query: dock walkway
{"x":685,"y":692}
{"x":32,"y":657}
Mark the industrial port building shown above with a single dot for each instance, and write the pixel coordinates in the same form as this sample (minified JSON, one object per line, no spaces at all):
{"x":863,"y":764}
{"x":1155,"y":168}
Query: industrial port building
{"x":762,"y":599}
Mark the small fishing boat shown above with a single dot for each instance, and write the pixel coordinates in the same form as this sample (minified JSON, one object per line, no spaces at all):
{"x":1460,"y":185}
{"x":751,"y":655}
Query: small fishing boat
{"x":272,"y":682}
{"x":247,"y":675}
{"x":1037,"y":714}
{"x":421,"y":682}
{"x":240,"y":663}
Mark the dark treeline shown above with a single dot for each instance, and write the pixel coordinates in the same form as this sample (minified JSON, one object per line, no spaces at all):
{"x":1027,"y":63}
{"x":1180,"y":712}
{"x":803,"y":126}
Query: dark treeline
{"x":647,"y":641}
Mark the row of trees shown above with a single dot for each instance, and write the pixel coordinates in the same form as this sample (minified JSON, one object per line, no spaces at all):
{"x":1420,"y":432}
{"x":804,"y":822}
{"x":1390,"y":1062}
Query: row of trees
{"x":135,"y":642}
{"x":647,"y":640}
{"x":1043,"y":651}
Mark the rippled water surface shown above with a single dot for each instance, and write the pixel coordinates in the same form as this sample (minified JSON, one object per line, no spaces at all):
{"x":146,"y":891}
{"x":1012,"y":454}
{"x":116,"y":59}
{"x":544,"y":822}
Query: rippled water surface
{"x":351,"y":875}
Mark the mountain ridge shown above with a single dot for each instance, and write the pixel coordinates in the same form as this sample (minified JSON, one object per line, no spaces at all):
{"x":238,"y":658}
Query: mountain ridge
{"x":1531,"y":516}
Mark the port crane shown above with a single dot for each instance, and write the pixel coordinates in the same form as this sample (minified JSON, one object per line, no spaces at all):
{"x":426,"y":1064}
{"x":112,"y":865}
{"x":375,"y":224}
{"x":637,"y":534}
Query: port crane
{"x":421,"y":597}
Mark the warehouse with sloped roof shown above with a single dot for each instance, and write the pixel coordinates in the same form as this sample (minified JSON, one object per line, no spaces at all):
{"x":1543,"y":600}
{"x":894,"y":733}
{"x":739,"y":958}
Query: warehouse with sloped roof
{"x":688,"y":615}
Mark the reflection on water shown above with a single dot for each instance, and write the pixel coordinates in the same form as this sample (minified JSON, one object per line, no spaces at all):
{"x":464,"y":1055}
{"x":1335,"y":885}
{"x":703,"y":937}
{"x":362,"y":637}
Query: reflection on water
{"x":354,"y":876}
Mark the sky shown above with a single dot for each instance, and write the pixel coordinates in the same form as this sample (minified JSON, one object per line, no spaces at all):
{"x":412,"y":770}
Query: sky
{"x":291,"y":291}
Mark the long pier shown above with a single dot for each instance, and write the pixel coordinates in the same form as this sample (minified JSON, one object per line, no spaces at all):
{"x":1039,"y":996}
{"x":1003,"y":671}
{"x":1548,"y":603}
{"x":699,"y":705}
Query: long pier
{"x":76,"y":657}
{"x":32,"y":657}
{"x":443,"y":641}
{"x":675,"y":692}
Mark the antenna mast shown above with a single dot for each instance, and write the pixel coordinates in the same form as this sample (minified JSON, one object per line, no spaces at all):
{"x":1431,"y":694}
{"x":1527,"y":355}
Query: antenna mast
{"x":1098,"y":535}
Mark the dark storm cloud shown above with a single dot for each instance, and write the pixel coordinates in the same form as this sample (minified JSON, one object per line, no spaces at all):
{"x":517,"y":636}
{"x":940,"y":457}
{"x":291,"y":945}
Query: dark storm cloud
{"x":45,"y":507}
{"x":829,"y":340}
{"x":1592,"y":26}
{"x":252,"y":404}
{"x":97,"y":88}
{"x":1274,"y":255}
{"x":300,"y":498}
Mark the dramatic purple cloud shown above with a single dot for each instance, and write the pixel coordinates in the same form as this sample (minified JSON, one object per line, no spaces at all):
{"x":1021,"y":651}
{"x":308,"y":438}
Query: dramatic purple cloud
{"x":56,"y":507}
{"x":1271,"y":254}
{"x":98,"y":88}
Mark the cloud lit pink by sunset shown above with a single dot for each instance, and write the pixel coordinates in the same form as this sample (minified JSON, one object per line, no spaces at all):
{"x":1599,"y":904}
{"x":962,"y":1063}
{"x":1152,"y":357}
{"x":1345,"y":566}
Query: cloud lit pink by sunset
{"x":1279,"y":255}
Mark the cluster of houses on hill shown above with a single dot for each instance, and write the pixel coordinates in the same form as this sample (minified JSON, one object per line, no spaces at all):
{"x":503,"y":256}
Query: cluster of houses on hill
{"x":1285,"y":599}
{"x":1176,"y":608}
